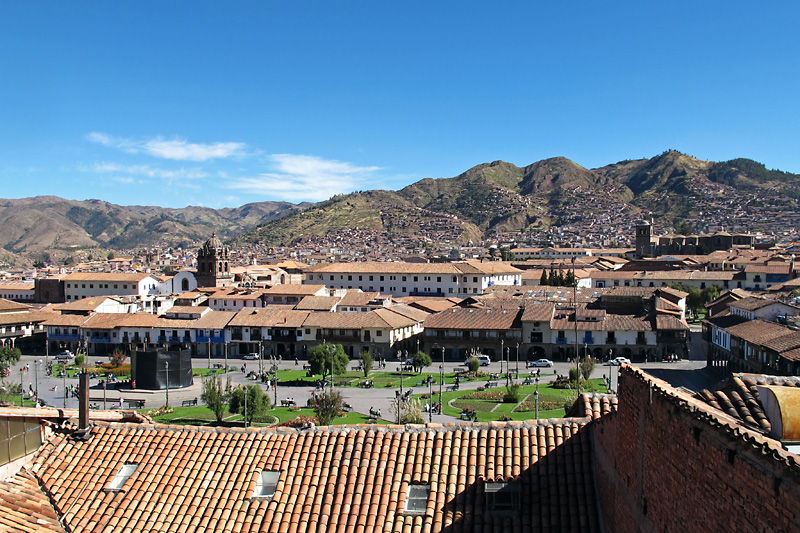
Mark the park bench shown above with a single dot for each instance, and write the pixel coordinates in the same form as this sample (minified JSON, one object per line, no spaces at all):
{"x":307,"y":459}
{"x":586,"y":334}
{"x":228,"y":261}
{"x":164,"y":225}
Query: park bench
{"x":528,"y":381}
{"x":469,"y":414}
{"x":288,"y":402}
{"x":494,"y":376}
{"x":134,"y":404}
{"x":452,"y":388}
{"x":189,"y":403}
{"x":347,"y":407}
{"x":490,"y":384}
{"x":405,"y":368}
{"x":374,"y":414}
{"x":357,"y":368}
{"x":217,"y":365}
{"x":306,"y":367}
{"x":366,"y":384}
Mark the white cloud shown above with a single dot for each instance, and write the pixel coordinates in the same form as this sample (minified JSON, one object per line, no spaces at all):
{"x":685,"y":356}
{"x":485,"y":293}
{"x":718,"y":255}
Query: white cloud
{"x":303,"y":177}
{"x":149,"y":172}
{"x":177,"y":149}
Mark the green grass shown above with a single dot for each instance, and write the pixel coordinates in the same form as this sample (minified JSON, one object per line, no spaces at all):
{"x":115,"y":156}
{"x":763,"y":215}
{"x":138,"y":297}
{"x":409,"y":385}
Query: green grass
{"x":488,"y":410}
{"x":202,"y":416}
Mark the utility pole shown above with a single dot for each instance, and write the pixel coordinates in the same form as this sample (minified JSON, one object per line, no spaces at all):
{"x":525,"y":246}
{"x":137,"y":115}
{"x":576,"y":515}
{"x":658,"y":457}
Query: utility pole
{"x":577,"y":357}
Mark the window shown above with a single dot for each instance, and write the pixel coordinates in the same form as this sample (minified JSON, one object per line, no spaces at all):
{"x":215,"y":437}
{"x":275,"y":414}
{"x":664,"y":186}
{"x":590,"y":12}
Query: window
{"x":502,"y":497}
{"x":439,"y":279}
{"x":404,"y":278}
{"x":122,"y":476}
{"x":475,"y":279}
{"x":349,"y":278}
{"x":379,"y":333}
{"x":266,"y":484}
{"x":417,"y":498}
{"x":91,"y":285}
{"x":371,"y":278}
{"x":381,"y":279}
{"x":416,"y":278}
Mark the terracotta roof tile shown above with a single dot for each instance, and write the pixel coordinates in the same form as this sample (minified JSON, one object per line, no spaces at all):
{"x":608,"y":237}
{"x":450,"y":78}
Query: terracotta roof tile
{"x":332,"y":479}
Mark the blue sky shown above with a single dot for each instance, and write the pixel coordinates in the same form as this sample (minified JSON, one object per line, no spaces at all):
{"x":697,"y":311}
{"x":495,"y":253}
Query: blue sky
{"x":224,"y":103}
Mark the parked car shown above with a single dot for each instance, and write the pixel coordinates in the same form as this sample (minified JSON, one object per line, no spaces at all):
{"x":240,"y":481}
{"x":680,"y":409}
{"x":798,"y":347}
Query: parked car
{"x":251,"y":355}
{"x":66,"y":355}
{"x":484,"y":360}
{"x":542,"y":362}
{"x":618,"y":361}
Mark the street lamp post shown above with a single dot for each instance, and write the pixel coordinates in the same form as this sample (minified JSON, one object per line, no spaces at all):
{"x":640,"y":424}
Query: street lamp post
{"x":536,"y":397}
{"x":104,"y":393}
{"x":517,"y":370}
{"x":430,"y":401}
{"x":441,"y":381}
{"x":166,"y":364}
{"x":502,"y":356}
{"x":64,"y":375}
{"x":36,"y":374}
{"x":21,"y":387}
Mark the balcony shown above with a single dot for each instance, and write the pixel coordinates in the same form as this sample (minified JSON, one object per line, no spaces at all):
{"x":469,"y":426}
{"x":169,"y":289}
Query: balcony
{"x":214,"y":339}
{"x":64,"y":337}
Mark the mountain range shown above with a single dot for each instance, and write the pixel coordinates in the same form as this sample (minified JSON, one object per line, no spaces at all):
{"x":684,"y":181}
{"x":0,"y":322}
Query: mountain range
{"x":491,"y":198}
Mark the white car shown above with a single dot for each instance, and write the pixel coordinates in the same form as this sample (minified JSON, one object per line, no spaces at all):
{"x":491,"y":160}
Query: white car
{"x":618,"y":361}
{"x":484,"y":360}
{"x":66,"y":355}
{"x":542,"y":362}
{"x":252,"y":355}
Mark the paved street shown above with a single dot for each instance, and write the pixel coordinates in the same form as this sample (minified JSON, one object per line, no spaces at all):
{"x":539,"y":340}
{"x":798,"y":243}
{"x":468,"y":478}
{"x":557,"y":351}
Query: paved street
{"x":688,"y":373}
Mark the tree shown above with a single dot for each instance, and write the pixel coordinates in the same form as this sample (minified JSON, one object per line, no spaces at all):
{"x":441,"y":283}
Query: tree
{"x":8,"y":357}
{"x":512,"y":393}
{"x":409,"y":411}
{"x":110,"y":256}
{"x":473,"y":364}
{"x":587,"y":365}
{"x":420,"y":361}
{"x":544,"y":280}
{"x":569,"y":279}
{"x":366,"y":362}
{"x":216,"y":395}
{"x":117,"y":358}
{"x":327,"y":406}
{"x":684,"y":228}
{"x":256,"y":406}
{"x":323,"y":357}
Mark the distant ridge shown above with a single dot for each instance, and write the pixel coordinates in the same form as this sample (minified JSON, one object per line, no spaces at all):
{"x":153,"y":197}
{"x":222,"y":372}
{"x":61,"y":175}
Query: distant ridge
{"x":489,"y":199}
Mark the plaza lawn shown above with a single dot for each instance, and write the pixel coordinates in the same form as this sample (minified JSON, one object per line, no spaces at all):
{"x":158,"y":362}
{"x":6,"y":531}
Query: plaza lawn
{"x":200,"y":415}
{"x":490,"y":410}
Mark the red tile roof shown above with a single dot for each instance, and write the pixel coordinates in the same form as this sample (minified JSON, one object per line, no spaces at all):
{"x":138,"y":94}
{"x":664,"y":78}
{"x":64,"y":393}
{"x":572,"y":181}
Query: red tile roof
{"x":331,"y":479}
{"x":25,"y":507}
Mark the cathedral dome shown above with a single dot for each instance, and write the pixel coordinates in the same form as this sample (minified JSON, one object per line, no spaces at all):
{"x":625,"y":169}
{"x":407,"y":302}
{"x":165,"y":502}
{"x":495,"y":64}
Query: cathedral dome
{"x":213,"y":243}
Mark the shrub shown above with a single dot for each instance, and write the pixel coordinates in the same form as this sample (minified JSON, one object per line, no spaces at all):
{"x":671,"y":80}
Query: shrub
{"x":587,"y":367}
{"x":512,"y":394}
